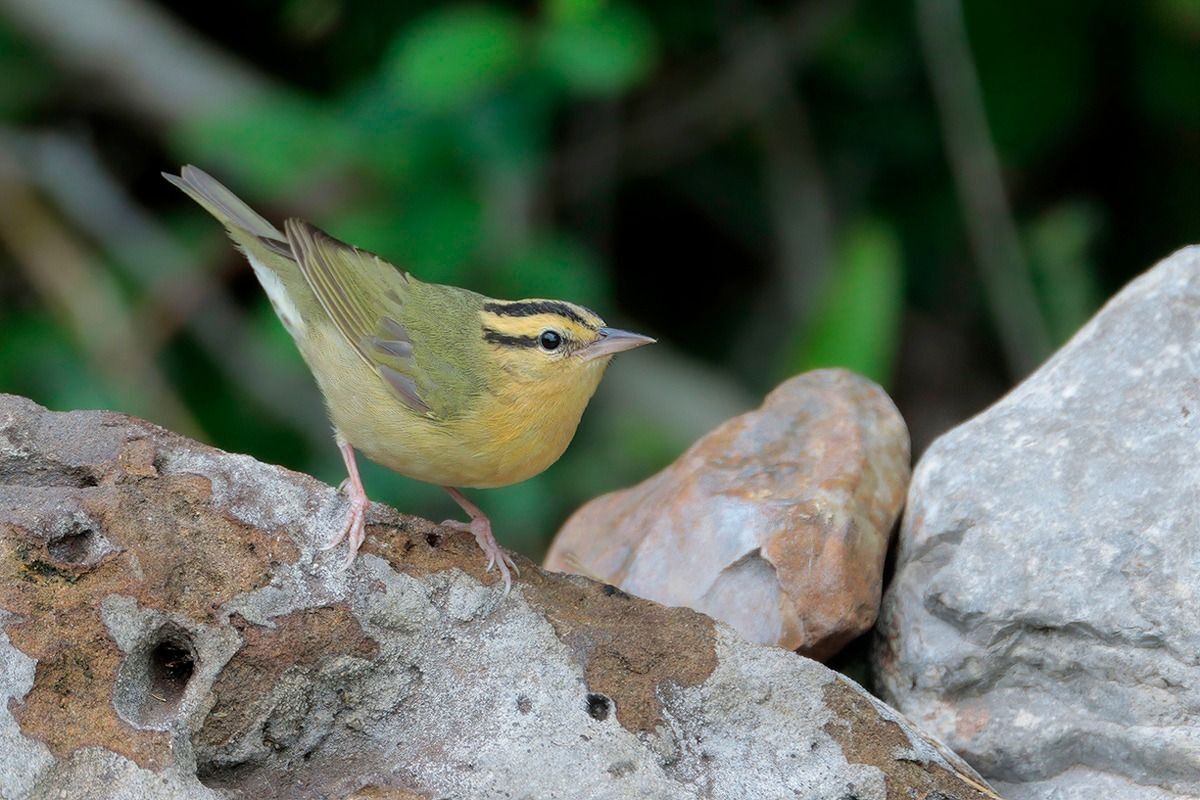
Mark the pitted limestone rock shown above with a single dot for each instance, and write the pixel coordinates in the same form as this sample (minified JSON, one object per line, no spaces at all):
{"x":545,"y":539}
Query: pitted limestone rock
{"x":211,"y":650}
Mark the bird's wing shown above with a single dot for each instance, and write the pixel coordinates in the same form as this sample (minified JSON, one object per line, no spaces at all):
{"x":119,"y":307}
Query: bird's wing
{"x":364,"y":296}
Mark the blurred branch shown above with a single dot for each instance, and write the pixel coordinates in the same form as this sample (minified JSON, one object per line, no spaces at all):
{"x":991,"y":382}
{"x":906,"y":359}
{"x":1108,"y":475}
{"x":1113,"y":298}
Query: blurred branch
{"x":72,"y":174}
{"x":684,"y":117}
{"x":510,"y":202}
{"x":59,"y":268}
{"x":800,"y":209}
{"x":141,"y":55}
{"x":976,"y":169}
{"x":797,"y":200}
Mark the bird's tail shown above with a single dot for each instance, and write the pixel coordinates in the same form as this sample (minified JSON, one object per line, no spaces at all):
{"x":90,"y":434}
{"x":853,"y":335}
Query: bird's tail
{"x":265,"y":246}
{"x":222,"y":203}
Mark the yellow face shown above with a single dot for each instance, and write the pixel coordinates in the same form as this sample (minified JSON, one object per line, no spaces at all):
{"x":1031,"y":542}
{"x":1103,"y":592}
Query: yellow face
{"x":543,"y":359}
{"x":548,"y":350}
{"x":540,"y":341}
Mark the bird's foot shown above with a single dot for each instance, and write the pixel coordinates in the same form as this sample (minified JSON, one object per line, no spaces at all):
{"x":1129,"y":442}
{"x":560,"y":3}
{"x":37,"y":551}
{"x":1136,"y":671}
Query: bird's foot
{"x":481,"y":529}
{"x":355,"y":529}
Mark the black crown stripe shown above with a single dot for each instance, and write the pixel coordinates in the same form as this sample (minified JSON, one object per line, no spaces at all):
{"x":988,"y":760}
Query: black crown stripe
{"x":529,"y":308}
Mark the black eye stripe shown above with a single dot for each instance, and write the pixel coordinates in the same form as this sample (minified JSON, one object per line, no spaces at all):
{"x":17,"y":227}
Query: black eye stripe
{"x":494,"y":336}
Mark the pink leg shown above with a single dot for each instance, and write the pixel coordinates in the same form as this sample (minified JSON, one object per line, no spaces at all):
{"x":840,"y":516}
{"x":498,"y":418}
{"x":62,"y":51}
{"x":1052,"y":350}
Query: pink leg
{"x":481,"y":527}
{"x":355,"y":529}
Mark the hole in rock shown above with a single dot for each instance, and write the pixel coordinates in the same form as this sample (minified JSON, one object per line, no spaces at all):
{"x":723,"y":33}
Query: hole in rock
{"x":225,"y":775}
{"x":171,"y":667}
{"x":72,"y":547}
{"x":433,"y":539}
{"x":155,"y":677}
{"x":613,"y":591}
{"x":85,"y":477}
{"x":598,"y":706}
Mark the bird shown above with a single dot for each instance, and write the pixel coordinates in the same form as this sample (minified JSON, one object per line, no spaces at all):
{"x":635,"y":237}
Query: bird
{"x":437,"y":383}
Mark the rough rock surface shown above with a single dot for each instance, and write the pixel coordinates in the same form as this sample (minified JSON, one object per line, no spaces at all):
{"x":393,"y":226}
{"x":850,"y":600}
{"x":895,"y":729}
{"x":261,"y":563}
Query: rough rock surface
{"x":1044,"y":618}
{"x":168,"y":629}
{"x":777,"y":522}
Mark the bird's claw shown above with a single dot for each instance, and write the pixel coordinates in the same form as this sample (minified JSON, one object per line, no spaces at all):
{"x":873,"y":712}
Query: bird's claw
{"x":508,"y":562}
{"x":481,"y":529}
{"x":355,"y":529}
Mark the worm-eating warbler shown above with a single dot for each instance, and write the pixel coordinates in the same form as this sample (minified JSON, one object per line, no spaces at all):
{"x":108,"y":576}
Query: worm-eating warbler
{"x":435,"y":382}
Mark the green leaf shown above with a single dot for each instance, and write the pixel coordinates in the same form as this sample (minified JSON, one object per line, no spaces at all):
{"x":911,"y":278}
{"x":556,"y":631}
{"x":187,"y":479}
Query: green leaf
{"x":42,"y":363}
{"x":396,"y":143}
{"x":271,"y":145}
{"x":455,"y":55}
{"x":433,"y":237}
{"x":1167,"y":65}
{"x":601,"y":52}
{"x":556,"y":267}
{"x":1178,"y":18}
{"x":1035,"y":94}
{"x":857,"y":324}
{"x":512,"y":130}
{"x":572,"y":10}
{"x":1058,"y":244}
{"x":25,"y":78}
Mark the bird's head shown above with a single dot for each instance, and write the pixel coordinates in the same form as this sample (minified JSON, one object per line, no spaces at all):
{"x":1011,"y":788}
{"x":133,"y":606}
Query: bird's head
{"x":557,"y":345}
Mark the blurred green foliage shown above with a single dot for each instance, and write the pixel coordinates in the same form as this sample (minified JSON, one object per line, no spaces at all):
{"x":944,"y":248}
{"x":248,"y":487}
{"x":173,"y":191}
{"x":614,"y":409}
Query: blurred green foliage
{"x":765,"y":188}
{"x":856,"y":324}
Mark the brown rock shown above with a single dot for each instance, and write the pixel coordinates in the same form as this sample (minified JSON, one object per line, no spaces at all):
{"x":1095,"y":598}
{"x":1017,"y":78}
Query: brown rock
{"x":169,"y":629}
{"x":777,"y":522}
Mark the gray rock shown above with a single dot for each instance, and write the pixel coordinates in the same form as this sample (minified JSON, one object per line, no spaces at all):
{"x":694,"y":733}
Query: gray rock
{"x":1044,"y":618}
{"x":170,"y":629}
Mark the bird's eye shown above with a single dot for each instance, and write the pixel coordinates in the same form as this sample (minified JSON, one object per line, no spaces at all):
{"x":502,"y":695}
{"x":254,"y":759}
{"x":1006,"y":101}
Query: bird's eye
{"x":549,"y":340}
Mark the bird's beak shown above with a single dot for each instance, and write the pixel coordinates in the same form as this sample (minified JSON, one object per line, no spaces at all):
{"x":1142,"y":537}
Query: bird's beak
{"x":613,"y":340}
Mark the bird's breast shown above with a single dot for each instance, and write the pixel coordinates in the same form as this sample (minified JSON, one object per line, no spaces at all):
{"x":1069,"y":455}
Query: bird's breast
{"x":518,"y":434}
{"x":501,"y":437}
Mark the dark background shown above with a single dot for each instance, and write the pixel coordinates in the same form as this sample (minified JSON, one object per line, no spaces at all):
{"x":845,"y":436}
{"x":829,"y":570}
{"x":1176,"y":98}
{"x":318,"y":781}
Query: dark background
{"x":933,"y":193}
